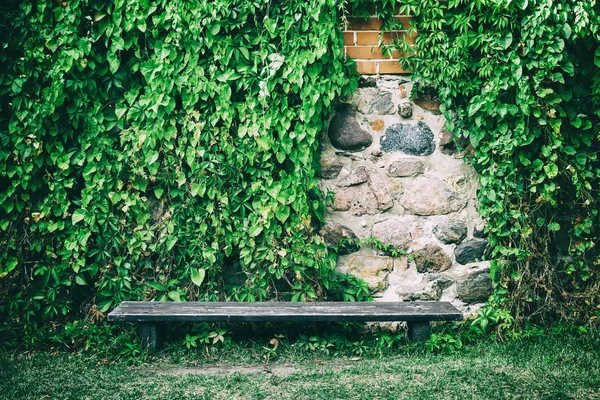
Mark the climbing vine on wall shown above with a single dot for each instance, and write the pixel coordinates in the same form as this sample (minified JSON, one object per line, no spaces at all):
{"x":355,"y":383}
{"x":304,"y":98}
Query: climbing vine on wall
{"x":519,"y":82}
{"x":164,"y":150}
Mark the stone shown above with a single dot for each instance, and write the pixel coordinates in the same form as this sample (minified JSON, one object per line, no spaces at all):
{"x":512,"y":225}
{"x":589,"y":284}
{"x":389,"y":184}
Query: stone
{"x":336,"y":234}
{"x":344,"y":131}
{"x":359,"y":200}
{"x":475,"y":287}
{"x":414,"y":139}
{"x":436,"y":284}
{"x":377,"y":125}
{"x":479,"y":231}
{"x":405,"y":109}
{"x":406,"y":167}
{"x":341,"y":202}
{"x":432,"y":258}
{"x":355,"y":177}
{"x":431,"y":196}
{"x":372,"y":269}
{"x":445,"y":137}
{"x":470,"y":251}
{"x":380,"y":189}
{"x":441,"y":282}
{"x":464,"y":184}
{"x":330,"y":166}
{"x":428,"y":103}
{"x":451,"y":232}
{"x":395,"y":232}
{"x":367,"y":82}
{"x":373,"y":101}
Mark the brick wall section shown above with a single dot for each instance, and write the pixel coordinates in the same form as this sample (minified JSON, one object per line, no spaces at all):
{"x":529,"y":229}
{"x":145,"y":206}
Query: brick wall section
{"x":361,"y":42}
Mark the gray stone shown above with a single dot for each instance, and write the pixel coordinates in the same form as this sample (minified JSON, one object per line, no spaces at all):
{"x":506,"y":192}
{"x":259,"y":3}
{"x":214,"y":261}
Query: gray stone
{"x":372,"y":269}
{"x":356,"y":177}
{"x":359,"y":200}
{"x":367,"y":82}
{"x":436,"y":284}
{"x":416,"y":140}
{"x":445,"y":137}
{"x":450,"y":232}
{"x":336,"y":234}
{"x":406,"y":167}
{"x":380,"y":189}
{"x":479,"y":231}
{"x":394,"y":232}
{"x":476,"y":287}
{"x":344,"y":131}
{"x":430,"y":196}
{"x":441,"y":282}
{"x":405,"y":109}
{"x":330,"y":166}
{"x":432,"y":258}
{"x":470,"y":251}
{"x":373,"y":101}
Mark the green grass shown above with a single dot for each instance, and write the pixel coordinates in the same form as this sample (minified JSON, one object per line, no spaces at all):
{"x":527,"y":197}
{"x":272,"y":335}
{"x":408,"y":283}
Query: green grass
{"x":544,"y":368}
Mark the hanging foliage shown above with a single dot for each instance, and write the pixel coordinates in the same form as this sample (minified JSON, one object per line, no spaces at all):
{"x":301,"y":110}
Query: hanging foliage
{"x":164,"y":150}
{"x":519,"y":83}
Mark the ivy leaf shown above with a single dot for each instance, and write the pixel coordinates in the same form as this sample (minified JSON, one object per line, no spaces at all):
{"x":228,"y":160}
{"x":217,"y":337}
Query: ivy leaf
{"x":103,"y":306}
{"x":198,"y":276}
{"x":551,"y":170}
{"x":197,"y":189}
{"x":113,"y":62}
{"x":10,"y":265}
{"x":255,"y":230}
{"x":567,"y":30}
{"x":175,"y":296}
{"x":77,"y":216}
{"x":151,"y":157}
{"x":282,"y":214}
{"x":120,"y":110}
{"x":156,"y":286}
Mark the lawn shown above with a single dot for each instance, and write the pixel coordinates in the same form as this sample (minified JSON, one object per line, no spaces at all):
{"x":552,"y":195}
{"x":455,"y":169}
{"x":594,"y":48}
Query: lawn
{"x":542,"y":368}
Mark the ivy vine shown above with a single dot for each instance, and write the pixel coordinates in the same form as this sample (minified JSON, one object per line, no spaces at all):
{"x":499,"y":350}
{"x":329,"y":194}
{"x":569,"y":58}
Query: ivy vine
{"x":519,"y":82}
{"x":164,"y":150}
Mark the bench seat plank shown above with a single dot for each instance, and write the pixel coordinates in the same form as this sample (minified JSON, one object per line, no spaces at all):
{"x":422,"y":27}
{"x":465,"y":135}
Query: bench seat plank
{"x":132,"y":311}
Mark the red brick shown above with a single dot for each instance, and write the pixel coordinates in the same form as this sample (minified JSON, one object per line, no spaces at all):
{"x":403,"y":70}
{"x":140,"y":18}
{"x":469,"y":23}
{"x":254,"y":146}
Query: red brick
{"x":367,"y":38}
{"x":391,"y":67}
{"x":365,"y":52}
{"x":349,"y":39}
{"x":366,"y":67}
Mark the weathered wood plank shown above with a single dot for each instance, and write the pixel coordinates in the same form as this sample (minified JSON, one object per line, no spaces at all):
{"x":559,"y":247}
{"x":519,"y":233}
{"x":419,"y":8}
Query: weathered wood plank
{"x":283,"y":311}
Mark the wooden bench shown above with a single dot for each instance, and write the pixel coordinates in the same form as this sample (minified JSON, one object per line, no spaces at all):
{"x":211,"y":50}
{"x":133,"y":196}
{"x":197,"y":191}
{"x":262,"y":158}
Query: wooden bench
{"x":150,"y":314}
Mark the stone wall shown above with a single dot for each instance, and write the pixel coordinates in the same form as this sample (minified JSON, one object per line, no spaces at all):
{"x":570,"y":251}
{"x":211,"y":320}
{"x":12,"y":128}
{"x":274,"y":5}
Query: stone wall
{"x":398,"y":178}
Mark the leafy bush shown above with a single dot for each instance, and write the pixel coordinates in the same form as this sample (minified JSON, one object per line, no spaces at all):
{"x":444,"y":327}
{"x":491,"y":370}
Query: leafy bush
{"x":163,"y":150}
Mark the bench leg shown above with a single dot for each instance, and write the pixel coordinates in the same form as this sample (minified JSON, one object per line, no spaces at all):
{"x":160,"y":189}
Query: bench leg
{"x":149,"y":335}
{"x":418,"y":331}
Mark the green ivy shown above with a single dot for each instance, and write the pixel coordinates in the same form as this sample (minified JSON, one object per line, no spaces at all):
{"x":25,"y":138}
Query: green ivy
{"x":519,"y":82}
{"x":164,"y":150}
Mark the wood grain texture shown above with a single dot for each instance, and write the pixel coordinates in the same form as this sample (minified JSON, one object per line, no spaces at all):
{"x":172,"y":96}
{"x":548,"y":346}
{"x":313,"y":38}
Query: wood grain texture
{"x":133,"y":311}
